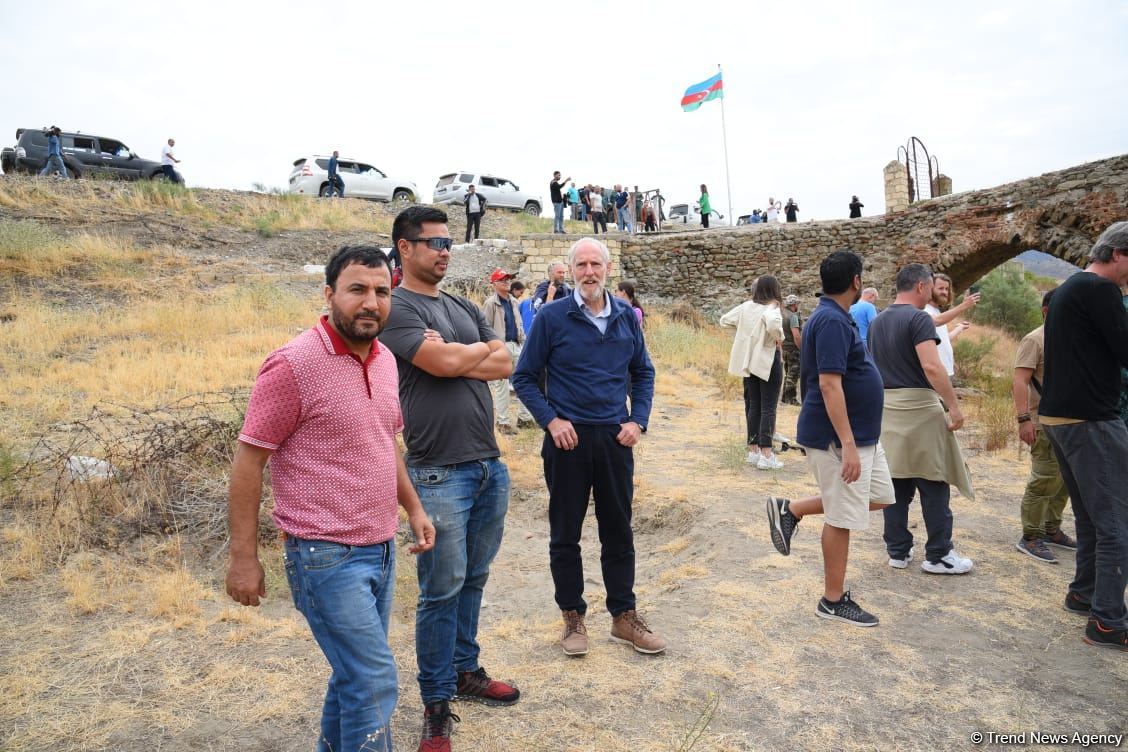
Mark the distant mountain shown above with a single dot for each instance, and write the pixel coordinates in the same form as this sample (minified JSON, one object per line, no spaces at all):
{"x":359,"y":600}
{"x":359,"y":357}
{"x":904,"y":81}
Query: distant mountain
{"x":1045,"y":265}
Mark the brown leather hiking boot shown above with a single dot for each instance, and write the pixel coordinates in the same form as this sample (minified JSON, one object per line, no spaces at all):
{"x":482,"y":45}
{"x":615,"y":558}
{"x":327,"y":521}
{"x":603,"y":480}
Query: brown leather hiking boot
{"x":629,"y":628}
{"x":575,"y":639}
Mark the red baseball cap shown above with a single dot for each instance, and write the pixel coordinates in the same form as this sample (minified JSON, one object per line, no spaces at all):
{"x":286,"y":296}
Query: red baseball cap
{"x":500,"y":274}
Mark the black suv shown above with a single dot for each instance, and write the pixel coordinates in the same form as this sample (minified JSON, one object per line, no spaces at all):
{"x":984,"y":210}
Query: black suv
{"x":83,"y":154}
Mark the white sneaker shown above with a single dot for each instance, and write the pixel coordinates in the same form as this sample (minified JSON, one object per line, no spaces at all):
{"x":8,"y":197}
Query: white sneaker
{"x":902,"y":563}
{"x":753,"y":458}
{"x":952,"y":563}
{"x":769,"y":463}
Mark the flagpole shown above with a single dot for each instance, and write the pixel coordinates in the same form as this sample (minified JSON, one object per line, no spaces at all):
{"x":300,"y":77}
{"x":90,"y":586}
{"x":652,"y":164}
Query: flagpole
{"x":724,"y":140}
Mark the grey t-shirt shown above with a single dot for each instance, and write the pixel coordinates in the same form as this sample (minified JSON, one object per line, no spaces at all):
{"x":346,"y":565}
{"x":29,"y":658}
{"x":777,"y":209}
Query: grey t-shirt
{"x":446,"y":420}
{"x":893,"y":337}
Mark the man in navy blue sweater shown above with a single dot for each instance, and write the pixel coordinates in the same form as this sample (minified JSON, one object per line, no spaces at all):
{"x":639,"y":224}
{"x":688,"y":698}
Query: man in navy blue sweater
{"x":590,"y":349}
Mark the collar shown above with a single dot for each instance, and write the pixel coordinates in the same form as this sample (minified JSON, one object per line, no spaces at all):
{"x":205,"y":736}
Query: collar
{"x":604,"y":314}
{"x":336,"y":345}
{"x":827,"y":302}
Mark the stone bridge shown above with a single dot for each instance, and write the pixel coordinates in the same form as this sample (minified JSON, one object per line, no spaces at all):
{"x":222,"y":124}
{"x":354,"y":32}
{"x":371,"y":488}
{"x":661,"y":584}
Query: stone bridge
{"x":964,"y":234}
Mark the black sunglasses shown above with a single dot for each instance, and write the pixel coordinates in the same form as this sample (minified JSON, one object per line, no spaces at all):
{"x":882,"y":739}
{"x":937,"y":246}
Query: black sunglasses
{"x":435,"y":244}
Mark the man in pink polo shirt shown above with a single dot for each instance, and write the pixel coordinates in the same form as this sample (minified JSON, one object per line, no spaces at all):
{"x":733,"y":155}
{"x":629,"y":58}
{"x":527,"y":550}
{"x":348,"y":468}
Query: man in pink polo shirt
{"x":325,"y":412}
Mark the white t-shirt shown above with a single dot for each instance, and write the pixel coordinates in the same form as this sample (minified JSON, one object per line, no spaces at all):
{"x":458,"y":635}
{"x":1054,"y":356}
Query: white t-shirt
{"x":474,"y":205}
{"x":947,"y":355}
{"x":596,"y":201}
{"x":773,"y":213}
{"x":166,"y":155}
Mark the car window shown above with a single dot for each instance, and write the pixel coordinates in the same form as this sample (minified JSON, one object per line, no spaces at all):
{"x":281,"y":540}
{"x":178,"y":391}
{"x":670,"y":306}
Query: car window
{"x":322,"y":163}
{"x":346,"y":167}
{"x":445,"y":180}
{"x":81,"y":143}
{"x":368,"y":167}
{"x":491,"y":182}
{"x":107,"y":146}
{"x":299,"y":162}
{"x":466,"y":178}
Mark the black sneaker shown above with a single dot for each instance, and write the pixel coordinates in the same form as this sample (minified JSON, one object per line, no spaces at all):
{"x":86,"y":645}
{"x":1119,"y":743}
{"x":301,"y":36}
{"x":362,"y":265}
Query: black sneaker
{"x":1100,"y":636}
{"x":846,"y":610}
{"x":438,"y":723}
{"x":1060,"y":539}
{"x":1074,"y":604}
{"x":1036,"y":548}
{"x":781,"y":523}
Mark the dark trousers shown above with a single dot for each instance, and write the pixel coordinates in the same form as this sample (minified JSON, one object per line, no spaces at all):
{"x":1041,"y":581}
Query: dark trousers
{"x":705,"y":220}
{"x":935,"y":505}
{"x":601,"y":468}
{"x":760,"y":399}
{"x":1093,"y":457}
{"x":473,"y":221}
{"x":598,"y":218}
{"x":171,"y":174}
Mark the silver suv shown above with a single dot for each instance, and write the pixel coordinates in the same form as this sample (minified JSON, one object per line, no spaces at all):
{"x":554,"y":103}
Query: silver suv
{"x":310,"y":177}
{"x":499,"y":192}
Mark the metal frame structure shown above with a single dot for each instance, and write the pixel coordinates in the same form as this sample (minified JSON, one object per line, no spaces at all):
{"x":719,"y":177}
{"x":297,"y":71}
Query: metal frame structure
{"x":919,"y":164}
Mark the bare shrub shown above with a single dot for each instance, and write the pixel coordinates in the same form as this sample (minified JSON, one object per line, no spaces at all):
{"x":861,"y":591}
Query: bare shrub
{"x":125,"y":471}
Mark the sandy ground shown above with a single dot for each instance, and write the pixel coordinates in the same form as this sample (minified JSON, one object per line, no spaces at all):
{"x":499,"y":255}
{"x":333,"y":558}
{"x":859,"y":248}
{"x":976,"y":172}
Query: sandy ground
{"x":991,"y":651}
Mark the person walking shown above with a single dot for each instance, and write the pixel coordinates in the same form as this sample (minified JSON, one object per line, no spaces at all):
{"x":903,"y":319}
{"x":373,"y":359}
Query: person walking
{"x":856,"y":207}
{"x":475,"y":208}
{"x":54,"y":154}
{"x":1045,"y":495}
{"x":169,"y":162}
{"x":324,"y":412}
{"x":792,"y":342}
{"x":504,"y":317}
{"x":705,"y":206}
{"x":336,"y":182}
{"x":755,"y":357}
{"x":791,"y":210}
{"x":447,"y":353}
{"x":598,"y":218}
{"x":840,"y":429}
{"x":1086,"y":338}
{"x":592,"y":354}
{"x":919,"y":422}
{"x":557,"y":197}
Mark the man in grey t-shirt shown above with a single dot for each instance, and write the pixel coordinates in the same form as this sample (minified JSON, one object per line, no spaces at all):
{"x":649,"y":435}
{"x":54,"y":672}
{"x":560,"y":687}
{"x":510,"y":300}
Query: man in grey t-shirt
{"x":447,"y":353}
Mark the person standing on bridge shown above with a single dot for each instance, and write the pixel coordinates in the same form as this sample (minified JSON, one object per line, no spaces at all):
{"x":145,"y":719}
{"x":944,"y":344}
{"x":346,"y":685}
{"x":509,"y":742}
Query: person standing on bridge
{"x":855,"y":207}
{"x":840,"y":427}
{"x":791,"y":210}
{"x":705,"y":206}
{"x":1086,"y":346}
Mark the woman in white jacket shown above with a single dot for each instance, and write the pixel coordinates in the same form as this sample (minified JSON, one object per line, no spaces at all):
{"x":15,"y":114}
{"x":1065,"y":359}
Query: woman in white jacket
{"x":756,"y":358}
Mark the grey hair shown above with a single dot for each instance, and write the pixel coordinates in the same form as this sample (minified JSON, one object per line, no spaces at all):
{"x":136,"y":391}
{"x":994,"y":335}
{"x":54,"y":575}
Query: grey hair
{"x":1115,"y":238}
{"x":869,"y":291}
{"x":599,"y":244}
{"x":912,"y":275}
{"x":555,"y":264}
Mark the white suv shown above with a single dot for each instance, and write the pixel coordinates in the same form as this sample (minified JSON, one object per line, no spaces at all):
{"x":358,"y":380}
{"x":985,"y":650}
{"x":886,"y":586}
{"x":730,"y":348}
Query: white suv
{"x":310,"y":177}
{"x":499,"y":192}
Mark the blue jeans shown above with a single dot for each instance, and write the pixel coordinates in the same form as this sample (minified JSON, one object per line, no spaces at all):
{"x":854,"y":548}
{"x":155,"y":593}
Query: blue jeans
{"x":1092,"y":455}
{"x":467,"y":503}
{"x":558,"y":217}
{"x":337,"y":185}
{"x":624,"y":219}
{"x":345,"y":593}
{"x":54,"y":162}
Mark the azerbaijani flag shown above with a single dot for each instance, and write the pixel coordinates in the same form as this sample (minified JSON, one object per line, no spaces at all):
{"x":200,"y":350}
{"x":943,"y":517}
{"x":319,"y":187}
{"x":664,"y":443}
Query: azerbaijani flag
{"x":703,"y":92}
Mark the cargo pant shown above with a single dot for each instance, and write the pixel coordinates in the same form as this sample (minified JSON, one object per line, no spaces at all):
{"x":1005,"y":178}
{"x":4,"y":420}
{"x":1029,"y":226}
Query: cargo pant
{"x":1046,"y":494}
{"x":790,"y":376}
{"x":500,"y":389}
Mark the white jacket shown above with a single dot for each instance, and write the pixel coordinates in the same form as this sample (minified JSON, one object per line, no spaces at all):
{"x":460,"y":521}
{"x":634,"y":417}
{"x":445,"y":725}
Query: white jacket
{"x":759,"y":330}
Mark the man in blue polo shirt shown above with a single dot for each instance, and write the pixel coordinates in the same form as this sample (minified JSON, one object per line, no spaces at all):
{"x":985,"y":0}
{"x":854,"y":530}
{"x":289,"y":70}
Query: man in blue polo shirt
{"x":839,"y":425}
{"x":590,"y":349}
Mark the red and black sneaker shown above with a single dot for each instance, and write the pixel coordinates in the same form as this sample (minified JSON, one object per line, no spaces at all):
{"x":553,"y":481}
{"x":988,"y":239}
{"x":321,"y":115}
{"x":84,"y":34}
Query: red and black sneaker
{"x":438,"y":723}
{"x":477,"y":686}
{"x":1100,"y":636}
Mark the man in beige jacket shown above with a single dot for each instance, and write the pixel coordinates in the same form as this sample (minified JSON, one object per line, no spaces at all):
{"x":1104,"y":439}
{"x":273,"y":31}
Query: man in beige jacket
{"x":504,"y":316}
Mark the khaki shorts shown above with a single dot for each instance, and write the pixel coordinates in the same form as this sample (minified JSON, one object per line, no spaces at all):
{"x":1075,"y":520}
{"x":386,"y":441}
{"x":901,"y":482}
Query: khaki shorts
{"x":847,"y":506}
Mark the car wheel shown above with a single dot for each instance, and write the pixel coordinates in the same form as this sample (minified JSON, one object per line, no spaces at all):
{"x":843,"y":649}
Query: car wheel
{"x":324,"y":190}
{"x":402,"y":197}
{"x":533,"y":208}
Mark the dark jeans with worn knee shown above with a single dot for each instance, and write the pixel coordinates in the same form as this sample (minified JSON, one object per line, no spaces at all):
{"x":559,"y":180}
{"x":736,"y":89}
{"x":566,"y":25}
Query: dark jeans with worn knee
{"x":602,"y":469}
{"x":760,"y":401}
{"x":1093,"y":456}
{"x":935,"y":505}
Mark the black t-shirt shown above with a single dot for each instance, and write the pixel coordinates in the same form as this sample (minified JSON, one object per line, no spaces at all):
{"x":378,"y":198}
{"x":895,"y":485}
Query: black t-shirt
{"x":790,"y":210}
{"x":1086,"y":345}
{"x":446,"y":420}
{"x":893,"y":337}
{"x":554,"y":191}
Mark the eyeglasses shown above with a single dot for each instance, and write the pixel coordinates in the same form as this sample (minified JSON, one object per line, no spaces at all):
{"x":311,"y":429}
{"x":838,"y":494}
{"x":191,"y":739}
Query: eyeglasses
{"x":435,"y":244}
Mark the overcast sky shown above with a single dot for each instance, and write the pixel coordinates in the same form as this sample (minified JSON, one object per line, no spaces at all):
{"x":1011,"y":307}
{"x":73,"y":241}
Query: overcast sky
{"x":819,"y":95}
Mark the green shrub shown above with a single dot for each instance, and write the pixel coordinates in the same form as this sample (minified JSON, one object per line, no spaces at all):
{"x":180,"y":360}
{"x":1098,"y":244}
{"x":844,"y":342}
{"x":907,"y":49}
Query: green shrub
{"x":1009,"y":301}
{"x":19,"y":238}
